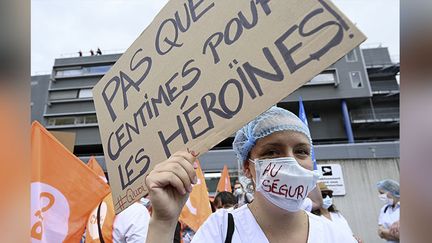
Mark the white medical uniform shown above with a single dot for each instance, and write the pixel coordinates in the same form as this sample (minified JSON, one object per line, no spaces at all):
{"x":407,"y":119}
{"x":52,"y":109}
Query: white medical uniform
{"x":340,"y":222}
{"x":387,"y":218}
{"x":131,"y":225}
{"x":247,"y":229}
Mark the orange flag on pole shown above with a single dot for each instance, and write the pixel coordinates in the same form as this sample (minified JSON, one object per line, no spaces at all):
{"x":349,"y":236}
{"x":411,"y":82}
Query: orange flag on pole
{"x":106,"y":212}
{"x":224,"y":184}
{"x":197,"y":208}
{"x":64,"y":190}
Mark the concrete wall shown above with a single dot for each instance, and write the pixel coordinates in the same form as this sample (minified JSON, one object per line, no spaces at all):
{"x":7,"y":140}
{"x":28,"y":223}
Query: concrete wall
{"x":360,"y":206}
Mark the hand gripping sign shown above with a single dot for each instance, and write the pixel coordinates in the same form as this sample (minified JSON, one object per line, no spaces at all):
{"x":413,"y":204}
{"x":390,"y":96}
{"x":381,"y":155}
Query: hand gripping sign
{"x":201,"y":70}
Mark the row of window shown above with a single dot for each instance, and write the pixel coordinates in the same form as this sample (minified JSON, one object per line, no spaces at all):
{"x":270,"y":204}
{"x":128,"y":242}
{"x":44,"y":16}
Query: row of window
{"x":72,"y":120}
{"x":71,"y":94}
{"x":326,"y":77}
{"x":79,"y":71}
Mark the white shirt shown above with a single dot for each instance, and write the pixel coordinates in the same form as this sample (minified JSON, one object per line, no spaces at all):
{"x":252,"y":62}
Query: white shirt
{"x":247,"y":229}
{"x":340,"y":222}
{"x":389,"y":217}
{"x":131,"y":225}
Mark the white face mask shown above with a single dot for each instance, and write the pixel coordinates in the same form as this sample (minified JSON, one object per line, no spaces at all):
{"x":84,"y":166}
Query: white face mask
{"x":383,"y":197}
{"x":327,"y":202}
{"x":238,"y":191}
{"x":283,"y":182}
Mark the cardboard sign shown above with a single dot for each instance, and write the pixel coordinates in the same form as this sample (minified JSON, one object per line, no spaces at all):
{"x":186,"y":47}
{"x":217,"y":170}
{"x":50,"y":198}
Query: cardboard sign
{"x":333,"y":178}
{"x":201,"y":70}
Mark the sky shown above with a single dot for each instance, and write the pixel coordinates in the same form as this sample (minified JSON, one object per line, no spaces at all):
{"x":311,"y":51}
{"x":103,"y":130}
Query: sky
{"x":60,"y":28}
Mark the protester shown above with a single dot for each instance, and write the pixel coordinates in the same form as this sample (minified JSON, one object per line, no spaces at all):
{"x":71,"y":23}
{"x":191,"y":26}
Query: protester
{"x":98,"y":51}
{"x":242,"y":196}
{"x":225,"y":200}
{"x":275,"y":152}
{"x":80,"y":53}
{"x":388,"y":222}
{"x":329,"y":211}
{"x":91,"y":52}
{"x":131,"y":225}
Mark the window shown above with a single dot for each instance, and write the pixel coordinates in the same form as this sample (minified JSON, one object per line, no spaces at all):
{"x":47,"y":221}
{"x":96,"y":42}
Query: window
{"x":72,"y":120}
{"x":85,"y":93}
{"x":356,"y":80}
{"x":59,"y":121}
{"x":92,"y":119}
{"x":64,"y":94}
{"x":79,"y":71}
{"x":79,"y":120}
{"x":316,"y":117}
{"x":69,"y":73}
{"x":326,"y":77}
{"x":351,"y":56}
{"x":97,"y":69}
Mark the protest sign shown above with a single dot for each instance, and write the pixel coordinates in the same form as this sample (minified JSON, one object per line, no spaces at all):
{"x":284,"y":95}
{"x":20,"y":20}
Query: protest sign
{"x":201,"y":70}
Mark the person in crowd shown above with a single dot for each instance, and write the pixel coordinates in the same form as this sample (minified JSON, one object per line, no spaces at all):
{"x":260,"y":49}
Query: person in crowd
{"x":388,"y":222}
{"x":328,"y":210}
{"x":98,"y":51}
{"x":131,"y":225}
{"x":91,"y":52}
{"x":242,"y":196}
{"x":274,"y":150}
{"x":225,"y":200}
{"x":80,"y":53}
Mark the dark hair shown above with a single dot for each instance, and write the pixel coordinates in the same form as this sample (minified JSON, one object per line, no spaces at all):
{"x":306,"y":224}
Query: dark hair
{"x":331,"y":209}
{"x":226,"y":199}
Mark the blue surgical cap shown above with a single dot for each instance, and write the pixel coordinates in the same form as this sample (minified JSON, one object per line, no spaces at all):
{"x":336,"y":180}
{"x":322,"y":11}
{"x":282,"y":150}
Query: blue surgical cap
{"x":391,"y":186}
{"x":273,"y":120}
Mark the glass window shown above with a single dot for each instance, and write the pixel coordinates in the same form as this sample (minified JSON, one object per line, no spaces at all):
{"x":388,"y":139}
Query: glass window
{"x":64,"y":121}
{"x":85,"y":93}
{"x":316,"y":117}
{"x":356,"y":80}
{"x":51,"y":121}
{"x":69,"y":72}
{"x":64,"y":94}
{"x":92,"y":119}
{"x":326,"y":77}
{"x":79,"y":120}
{"x":97,"y":69}
{"x":351,"y":56}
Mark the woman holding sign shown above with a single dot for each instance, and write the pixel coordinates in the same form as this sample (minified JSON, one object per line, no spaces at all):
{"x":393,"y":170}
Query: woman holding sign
{"x":275,"y":152}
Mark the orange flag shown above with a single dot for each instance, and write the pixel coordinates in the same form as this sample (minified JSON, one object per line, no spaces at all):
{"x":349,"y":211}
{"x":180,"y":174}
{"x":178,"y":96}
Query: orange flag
{"x":197,"y":208}
{"x":106,"y":212}
{"x":64,"y":190}
{"x":224,"y":184}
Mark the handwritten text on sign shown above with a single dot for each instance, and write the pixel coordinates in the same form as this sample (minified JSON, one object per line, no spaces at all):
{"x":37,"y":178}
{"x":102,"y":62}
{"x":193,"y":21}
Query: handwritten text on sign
{"x":204,"y":68}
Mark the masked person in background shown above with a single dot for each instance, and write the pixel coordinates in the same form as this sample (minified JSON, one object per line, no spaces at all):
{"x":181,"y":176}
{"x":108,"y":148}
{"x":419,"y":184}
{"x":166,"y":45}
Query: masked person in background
{"x":243,"y":197}
{"x":274,"y":150}
{"x":388,"y":222}
{"x":328,"y":211}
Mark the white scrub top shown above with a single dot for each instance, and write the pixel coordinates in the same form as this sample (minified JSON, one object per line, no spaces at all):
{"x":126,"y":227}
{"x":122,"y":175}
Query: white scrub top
{"x":247,"y":229}
{"x":131,"y":225}
{"x":388,"y":217}
{"x":340,"y":222}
